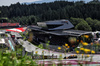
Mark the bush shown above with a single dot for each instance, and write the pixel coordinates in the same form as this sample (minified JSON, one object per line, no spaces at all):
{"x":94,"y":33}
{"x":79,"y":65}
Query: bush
{"x":11,"y":59}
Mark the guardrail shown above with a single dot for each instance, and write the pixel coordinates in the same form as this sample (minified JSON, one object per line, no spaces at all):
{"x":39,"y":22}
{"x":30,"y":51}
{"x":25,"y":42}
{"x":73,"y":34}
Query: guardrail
{"x":44,"y":57}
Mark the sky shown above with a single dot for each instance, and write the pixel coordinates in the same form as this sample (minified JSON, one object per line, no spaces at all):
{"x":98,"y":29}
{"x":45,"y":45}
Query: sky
{"x":9,"y":2}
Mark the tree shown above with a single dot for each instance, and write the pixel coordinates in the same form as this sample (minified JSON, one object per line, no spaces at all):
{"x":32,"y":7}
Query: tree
{"x":31,"y":20}
{"x":75,"y":21}
{"x":83,"y":26}
{"x":97,"y":26}
{"x":0,"y":13}
{"x":90,"y":22}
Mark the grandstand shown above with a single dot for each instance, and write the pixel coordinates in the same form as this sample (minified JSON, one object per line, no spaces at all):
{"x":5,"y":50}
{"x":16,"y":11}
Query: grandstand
{"x":5,"y":24}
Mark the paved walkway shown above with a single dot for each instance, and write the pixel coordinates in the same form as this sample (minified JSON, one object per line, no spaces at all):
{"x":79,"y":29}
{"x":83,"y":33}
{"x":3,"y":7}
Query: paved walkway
{"x":68,"y":62}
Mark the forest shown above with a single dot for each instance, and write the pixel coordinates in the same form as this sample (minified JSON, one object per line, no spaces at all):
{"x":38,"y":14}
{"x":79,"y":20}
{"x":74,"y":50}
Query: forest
{"x":81,"y":14}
